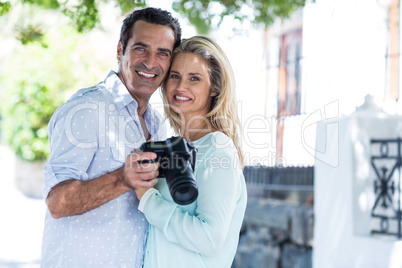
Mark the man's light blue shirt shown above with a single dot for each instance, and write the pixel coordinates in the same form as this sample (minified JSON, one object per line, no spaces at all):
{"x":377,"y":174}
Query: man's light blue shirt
{"x":91,"y":134}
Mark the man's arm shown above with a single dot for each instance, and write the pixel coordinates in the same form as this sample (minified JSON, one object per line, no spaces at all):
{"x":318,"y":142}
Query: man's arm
{"x":74,"y":197}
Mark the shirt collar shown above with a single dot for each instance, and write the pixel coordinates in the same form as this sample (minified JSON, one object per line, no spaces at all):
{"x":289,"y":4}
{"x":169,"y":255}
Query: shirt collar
{"x":118,"y":90}
{"x":123,"y":98}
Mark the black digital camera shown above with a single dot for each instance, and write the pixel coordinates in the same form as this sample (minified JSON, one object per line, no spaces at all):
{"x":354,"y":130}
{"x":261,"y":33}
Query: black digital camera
{"x":176,"y":159}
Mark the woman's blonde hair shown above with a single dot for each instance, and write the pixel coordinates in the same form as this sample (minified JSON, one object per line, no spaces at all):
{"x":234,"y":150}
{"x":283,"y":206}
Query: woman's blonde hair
{"x":223,"y":114}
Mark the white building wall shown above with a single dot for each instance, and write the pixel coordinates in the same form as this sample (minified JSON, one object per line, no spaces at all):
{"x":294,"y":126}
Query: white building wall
{"x":343,"y":60}
{"x":344,"y":46}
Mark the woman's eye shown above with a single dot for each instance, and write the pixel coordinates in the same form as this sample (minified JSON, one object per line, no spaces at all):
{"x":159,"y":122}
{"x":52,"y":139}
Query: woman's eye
{"x":174,"y":76}
{"x":194,"y":78}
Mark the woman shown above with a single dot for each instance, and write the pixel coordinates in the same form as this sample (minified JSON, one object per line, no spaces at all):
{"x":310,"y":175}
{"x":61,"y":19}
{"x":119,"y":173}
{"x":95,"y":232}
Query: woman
{"x":199,"y":89}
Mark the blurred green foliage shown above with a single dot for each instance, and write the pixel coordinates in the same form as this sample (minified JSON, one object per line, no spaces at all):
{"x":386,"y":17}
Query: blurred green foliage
{"x":37,"y":81}
{"x":85,"y":15}
{"x":51,"y":4}
{"x":4,"y":7}
{"x":82,"y":14}
{"x":203,"y":14}
{"x":30,"y":34}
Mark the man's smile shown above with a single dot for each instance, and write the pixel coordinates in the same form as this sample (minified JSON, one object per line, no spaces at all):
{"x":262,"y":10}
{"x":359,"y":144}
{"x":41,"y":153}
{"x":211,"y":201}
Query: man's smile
{"x":147,"y":75}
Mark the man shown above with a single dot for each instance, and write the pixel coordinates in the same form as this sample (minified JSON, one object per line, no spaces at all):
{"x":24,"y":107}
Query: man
{"x":92,"y":218}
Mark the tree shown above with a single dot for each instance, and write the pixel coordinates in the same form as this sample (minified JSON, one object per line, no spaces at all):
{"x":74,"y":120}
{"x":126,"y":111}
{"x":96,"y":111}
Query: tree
{"x":203,"y":14}
{"x":40,"y":80}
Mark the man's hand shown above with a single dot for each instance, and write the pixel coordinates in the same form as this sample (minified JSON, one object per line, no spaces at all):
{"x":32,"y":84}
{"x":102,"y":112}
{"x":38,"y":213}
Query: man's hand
{"x":138,"y":175}
{"x":74,"y":197}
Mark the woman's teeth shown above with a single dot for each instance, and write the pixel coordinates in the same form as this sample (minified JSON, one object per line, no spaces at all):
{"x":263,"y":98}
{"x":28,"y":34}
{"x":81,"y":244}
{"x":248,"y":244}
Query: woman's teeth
{"x":181,"y":98}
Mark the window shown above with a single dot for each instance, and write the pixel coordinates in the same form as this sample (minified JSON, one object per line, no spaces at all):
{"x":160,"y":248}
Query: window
{"x":289,"y":82}
{"x":392,"y":54}
{"x":289,"y":76}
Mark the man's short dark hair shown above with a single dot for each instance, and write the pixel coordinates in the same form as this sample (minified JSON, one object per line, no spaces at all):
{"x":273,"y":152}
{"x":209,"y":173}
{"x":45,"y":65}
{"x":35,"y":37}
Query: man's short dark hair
{"x":150,"y":15}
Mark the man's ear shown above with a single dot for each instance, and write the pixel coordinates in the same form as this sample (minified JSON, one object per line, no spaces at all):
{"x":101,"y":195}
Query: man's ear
{"x":119,"y":51}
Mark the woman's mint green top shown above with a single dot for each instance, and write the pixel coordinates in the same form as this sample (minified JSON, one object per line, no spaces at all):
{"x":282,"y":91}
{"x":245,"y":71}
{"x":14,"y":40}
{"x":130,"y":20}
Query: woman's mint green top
{"x":206,"y":232}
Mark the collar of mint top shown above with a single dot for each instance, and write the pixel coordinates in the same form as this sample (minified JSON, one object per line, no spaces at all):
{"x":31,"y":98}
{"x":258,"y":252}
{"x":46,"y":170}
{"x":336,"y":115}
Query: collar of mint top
{"x":90,"y":135}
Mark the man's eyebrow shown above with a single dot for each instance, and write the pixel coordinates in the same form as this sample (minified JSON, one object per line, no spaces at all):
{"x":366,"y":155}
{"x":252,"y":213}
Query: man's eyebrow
{"x":165,"y":50}
{"x":140,"y":44}
{"x":145,"y":45}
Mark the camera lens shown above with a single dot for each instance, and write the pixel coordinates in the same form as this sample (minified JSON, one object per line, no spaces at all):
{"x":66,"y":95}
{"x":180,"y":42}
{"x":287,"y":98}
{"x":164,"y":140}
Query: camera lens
{"x":185,"y":192}
{"x":176,"y":159}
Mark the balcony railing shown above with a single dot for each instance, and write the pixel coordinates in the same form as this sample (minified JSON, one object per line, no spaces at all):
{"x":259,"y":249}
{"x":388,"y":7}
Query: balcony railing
{"x":280,"y":182}
{"x":386,"y":162}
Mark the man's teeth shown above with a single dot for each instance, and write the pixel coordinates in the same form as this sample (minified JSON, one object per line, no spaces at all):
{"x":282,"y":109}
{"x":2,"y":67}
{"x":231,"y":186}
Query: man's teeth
{"x":181,"y":98}
{"x":146,"y":75}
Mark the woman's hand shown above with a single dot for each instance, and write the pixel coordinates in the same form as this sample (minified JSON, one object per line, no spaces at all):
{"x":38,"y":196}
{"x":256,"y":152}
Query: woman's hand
{"x":140,"y":192}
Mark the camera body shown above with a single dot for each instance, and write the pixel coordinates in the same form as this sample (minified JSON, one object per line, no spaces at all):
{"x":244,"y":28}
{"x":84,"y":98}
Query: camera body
{"x":176,"y":159}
